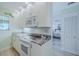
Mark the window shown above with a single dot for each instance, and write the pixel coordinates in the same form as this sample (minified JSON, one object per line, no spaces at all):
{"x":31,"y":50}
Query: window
{"x":4,"y":22}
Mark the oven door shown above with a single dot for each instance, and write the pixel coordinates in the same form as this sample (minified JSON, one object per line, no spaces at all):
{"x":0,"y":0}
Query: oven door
{"x":25,"y":48}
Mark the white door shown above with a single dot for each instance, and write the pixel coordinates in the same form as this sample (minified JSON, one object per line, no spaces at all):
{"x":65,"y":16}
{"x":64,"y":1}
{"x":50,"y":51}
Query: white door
{"x":69,"y":40}
{"x":77,"y":40}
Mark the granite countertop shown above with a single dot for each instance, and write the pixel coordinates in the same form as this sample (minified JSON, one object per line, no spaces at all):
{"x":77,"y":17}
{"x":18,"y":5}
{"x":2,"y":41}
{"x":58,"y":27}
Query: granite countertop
{"x":39,"y":39}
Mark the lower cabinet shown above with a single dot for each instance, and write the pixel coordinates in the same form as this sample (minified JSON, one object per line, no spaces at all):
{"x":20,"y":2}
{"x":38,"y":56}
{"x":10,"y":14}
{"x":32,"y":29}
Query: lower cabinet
{"x":35,"y":50}
{"x":47,"y":49}
{"x":44,"y":50}
{"x":16,"y":44}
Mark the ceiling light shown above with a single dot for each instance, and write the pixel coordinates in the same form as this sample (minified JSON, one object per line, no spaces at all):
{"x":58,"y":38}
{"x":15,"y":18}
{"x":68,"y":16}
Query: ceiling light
{"x":26,"y":2}
{"x":20,"y":9}
{"x":29,"y":5}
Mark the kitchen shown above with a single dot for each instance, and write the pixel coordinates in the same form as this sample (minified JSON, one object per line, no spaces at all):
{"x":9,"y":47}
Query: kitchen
{"x":27,"y":29}
{"x":39,"y":29}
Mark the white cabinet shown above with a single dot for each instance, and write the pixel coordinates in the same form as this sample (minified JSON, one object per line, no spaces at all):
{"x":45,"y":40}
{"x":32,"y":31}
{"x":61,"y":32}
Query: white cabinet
{"x":70,"y":31}
{"x":42,"y":12}
{"x":31,"y":21}
{"x":16,"y":44}
{"x":35,"y":50}
{"x":47,"y":49}
{"x":44,"y":50}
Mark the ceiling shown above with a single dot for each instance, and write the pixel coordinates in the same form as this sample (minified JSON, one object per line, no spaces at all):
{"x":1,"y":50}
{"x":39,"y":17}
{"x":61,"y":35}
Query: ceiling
{"x":16,"y":8}
{"x":10,"y":7}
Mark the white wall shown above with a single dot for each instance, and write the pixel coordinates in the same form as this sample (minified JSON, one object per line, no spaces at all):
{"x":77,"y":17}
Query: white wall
{"x":62,"y":9}
{"x":5,"y":36}
{"x":57,"y":8}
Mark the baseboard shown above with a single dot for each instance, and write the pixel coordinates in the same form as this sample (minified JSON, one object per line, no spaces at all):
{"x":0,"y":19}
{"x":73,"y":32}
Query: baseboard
{"x":5,"y":48}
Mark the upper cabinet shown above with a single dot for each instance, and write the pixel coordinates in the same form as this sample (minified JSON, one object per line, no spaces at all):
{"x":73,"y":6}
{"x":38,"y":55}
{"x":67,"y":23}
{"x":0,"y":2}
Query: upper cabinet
{"x":31,"y":21}
{"x":41,"y":12}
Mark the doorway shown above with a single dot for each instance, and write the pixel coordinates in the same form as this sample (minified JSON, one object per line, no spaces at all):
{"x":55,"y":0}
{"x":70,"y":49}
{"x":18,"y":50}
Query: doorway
{"x":56,"y":32}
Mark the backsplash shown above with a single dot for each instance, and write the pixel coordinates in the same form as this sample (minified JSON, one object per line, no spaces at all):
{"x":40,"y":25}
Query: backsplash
{"x":40,"y":30}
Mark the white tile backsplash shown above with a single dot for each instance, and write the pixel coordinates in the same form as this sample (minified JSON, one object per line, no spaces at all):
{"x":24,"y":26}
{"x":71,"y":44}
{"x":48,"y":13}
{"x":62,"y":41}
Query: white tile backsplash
{"x":38,"y":30}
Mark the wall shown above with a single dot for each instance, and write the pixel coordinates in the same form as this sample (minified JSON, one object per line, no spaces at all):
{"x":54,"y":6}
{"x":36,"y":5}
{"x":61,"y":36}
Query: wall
{"x":61,"y":8}
{"x":59,"y":11}
{"x":5,"y":36}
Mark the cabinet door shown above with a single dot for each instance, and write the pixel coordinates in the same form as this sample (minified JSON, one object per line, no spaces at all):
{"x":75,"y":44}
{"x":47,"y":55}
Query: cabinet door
{"x":70,"y":34}
{"x":43,"y":16}
{"x":35,"y":50}
{"x":47,"y":49}
{"x":41,"y":10}
{"x":31,"y":21}
{"x":17,"y":45}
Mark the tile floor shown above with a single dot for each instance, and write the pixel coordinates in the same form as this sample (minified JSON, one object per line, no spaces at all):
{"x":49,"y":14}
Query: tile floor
{"x":9,"y":52}
{"x":13,"y":52}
